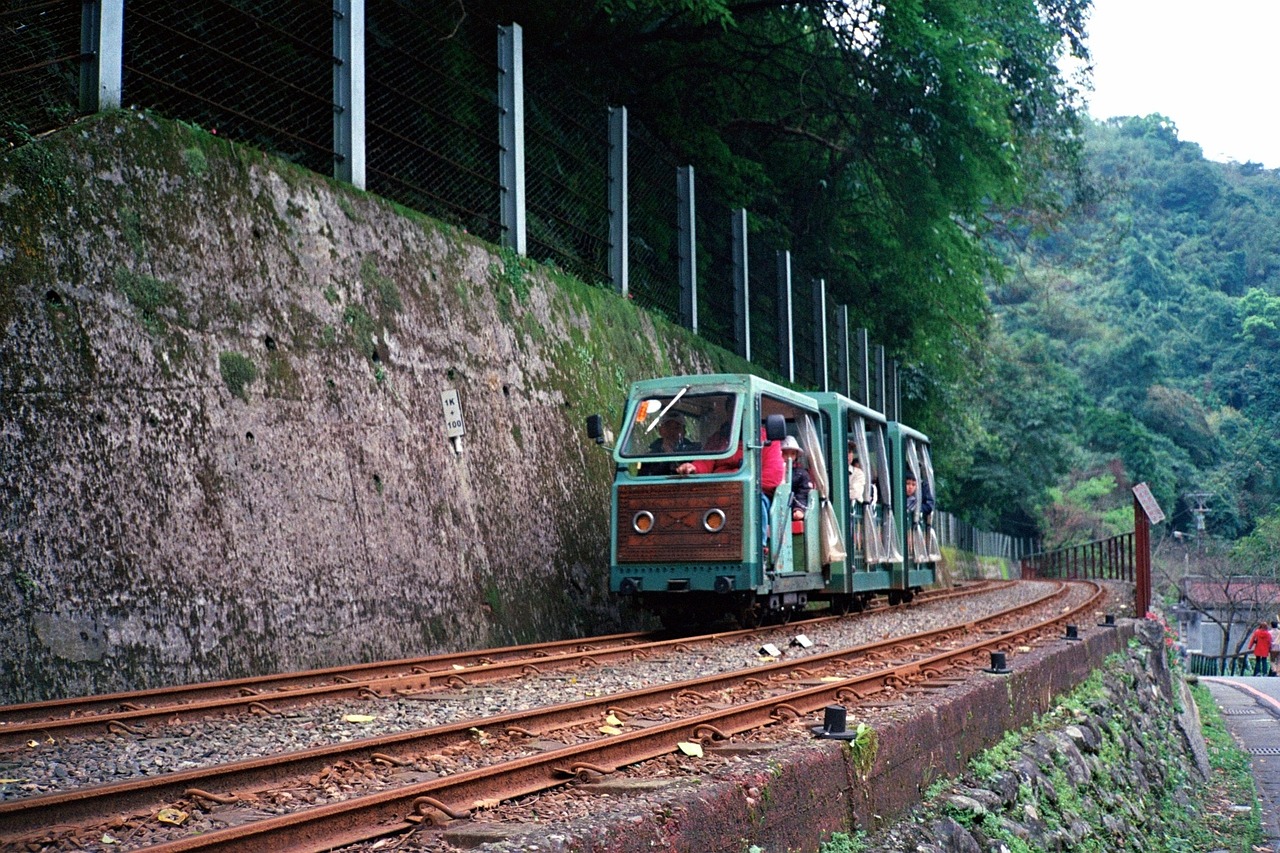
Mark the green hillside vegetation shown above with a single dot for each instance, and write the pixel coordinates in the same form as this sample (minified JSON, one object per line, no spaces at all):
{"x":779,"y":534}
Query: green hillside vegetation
{"x":1137,"y":341}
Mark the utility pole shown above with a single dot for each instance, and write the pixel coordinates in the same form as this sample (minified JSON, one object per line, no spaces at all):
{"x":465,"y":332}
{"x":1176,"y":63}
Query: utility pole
{"x":1199,"y":511}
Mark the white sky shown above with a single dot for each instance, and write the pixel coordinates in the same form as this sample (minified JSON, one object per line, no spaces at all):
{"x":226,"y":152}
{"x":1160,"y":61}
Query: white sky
{"x":1211,"y":67}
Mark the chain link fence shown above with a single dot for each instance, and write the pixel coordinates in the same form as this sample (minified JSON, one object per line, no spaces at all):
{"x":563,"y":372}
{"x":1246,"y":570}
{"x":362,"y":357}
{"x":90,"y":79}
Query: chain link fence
{"x":40,"y":67}
{"x":431,"y":116}
{"x":261,"y":72}
{"x":566,"y":175}
{"x":256,"y":72}
{"x":652,"y":201}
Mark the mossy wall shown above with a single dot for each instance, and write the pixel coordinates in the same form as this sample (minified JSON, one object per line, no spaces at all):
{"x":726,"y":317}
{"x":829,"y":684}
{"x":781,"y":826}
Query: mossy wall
{"x":221,"y":427}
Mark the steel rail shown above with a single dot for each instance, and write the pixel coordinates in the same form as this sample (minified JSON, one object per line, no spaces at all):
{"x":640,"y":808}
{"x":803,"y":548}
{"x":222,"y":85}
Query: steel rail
{"x":231,"y":780}
{"x":169,"y":696}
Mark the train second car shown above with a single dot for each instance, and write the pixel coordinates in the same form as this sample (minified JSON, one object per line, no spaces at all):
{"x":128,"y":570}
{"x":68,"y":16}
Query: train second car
{"x":703,"y":521}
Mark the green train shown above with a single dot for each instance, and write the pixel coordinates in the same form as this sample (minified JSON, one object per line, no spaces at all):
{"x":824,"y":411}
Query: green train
{"x":711,"y":519}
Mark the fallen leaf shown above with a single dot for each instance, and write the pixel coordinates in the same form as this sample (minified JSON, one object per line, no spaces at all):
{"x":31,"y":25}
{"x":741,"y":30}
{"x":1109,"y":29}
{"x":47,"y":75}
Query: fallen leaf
{"x":172,"y":817}
{"x":359,"y":718}
{"x":694,"y":749}
{"x":612,"y":720}
{"x":610,"y":730}
{"x":108,"y":839}
{"x":831,"y":678}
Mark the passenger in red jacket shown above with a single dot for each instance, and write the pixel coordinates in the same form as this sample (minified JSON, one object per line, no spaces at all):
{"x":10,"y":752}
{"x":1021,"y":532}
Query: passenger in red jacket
{"x":1260,"y":645}
{"x":772,"y":469}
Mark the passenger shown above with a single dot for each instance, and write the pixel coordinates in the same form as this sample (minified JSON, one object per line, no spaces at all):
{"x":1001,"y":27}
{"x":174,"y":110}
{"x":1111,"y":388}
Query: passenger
{"x":801,"y":482}
{"x":857,"y":477}
{"x":772,"y":469}
{"x":924,"y":500}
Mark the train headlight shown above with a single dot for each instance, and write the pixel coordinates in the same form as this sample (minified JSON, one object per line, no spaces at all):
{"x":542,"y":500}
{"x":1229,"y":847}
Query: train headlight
{"x":713,"y":520}
{"x":642,"y":521}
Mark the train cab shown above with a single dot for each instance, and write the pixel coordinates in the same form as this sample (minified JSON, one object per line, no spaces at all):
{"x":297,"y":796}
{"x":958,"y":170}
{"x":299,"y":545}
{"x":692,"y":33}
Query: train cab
{"x":701,"y":523}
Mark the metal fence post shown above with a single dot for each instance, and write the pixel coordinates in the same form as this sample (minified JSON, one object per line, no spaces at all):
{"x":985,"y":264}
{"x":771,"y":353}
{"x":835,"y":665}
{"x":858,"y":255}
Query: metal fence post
{"x":511,"y":136}
{"x":819,"y":293}
{"x":878,"y":385}
{"x":786,"y":336}
{"x":862,"y":386}
{"x":688,"y":248}
{"x":842,"y":351}
{"x":619,"y":229}
{"x":741,"y":285}
{"x":348,"y":92}
{"x":102,"y":46}
{"x":892,"y":398}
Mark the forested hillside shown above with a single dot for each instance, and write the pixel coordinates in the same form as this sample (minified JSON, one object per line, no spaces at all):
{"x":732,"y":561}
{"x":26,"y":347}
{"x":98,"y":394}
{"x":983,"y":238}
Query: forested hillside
{"x":1137,"y":341}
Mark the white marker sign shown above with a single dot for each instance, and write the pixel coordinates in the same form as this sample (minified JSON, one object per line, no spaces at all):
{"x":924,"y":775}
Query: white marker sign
{"x":452,"y":414}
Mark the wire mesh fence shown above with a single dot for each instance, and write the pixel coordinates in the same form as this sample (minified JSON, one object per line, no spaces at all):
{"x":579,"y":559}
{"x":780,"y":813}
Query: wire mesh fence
{"x":715,"y":267}
{"x":40,"y":67}
{"x":256,"y":72}
{"x":432,"y":125}
{"x":762,"y":282}
{"x":566,"y":175}
{"x":652,"y":201}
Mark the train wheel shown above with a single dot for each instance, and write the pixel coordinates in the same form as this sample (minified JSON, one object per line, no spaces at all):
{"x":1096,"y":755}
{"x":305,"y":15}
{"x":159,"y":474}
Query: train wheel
{"x":908,"y":595}
{"x":842,"y":605}
{"x":749,"y":616}
{"x":895,"y":597}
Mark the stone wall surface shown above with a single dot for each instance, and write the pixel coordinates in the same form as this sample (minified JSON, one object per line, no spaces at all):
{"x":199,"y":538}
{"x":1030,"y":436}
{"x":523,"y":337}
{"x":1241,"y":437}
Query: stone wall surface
{"x":222,"y":438}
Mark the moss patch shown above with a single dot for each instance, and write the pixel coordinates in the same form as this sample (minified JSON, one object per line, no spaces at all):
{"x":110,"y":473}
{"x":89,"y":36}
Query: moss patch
{"x":238,"y":372}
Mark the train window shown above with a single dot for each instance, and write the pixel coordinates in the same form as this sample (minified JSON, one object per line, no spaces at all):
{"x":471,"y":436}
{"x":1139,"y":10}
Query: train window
{"x":683,"y":425}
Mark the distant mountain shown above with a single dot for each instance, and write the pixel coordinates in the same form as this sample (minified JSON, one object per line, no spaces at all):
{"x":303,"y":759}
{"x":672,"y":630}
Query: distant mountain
{"x":1138,"y":340}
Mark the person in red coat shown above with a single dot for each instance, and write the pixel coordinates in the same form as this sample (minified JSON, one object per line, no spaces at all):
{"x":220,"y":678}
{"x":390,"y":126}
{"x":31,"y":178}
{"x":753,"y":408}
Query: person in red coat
{"x":1260,"y":645}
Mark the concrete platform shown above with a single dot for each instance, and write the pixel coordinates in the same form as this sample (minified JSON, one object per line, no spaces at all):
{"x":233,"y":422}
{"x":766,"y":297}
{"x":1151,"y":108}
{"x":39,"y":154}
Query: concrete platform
{"x":1251,"y":710}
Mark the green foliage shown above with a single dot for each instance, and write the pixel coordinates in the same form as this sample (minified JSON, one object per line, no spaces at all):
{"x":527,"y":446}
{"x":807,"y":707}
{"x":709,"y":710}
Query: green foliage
{"x":238,"y":372}
{"x":511,"y":276}
{"x":841,"y":842}
{"x":1158,"y":296}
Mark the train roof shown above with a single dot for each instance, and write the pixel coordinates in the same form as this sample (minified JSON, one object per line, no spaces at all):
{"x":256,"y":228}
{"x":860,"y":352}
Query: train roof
{"x":843,"y":403}
{"x":732,"y":382}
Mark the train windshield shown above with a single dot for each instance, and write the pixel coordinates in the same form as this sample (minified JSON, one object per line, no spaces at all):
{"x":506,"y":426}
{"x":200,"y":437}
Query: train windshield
{"x":681,"y":424}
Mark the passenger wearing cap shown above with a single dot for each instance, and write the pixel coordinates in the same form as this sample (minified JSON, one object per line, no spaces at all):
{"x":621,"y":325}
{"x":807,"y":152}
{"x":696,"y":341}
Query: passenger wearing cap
{"x":672,"y":438}
{"x":801,"y":482}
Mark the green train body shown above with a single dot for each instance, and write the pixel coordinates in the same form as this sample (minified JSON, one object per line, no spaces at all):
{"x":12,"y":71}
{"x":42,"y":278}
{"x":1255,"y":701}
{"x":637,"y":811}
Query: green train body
{"x":700,"y":531}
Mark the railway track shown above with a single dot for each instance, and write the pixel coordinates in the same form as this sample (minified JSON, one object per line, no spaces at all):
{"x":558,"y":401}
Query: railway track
{"x":520,"y":758}
{"x":127,"y":713}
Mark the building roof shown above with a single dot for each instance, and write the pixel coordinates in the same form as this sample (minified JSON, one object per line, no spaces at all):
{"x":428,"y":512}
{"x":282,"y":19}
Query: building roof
{"x":1236,"y":591}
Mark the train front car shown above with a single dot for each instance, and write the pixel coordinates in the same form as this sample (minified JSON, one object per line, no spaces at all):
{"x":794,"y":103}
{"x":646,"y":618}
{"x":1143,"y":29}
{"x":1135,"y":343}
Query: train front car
{"x":701,"y":524}
{"x":914,"y":491}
